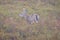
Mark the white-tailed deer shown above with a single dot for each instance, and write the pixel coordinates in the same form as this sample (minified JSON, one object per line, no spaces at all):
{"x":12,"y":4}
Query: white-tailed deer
{"x":29,"y":18}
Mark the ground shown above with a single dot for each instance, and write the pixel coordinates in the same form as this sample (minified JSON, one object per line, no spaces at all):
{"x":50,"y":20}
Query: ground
{"x":13,"y":27}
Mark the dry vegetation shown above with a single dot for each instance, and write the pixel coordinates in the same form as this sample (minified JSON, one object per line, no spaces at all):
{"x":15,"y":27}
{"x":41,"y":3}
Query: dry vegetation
{"x":12,"y":27}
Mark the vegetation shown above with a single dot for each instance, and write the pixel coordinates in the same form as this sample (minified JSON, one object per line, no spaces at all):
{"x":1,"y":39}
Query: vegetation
{"x":13,"y":27}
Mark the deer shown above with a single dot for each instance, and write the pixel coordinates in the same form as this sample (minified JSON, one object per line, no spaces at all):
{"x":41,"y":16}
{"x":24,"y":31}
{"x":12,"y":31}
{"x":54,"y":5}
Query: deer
{"x":33,"y":18}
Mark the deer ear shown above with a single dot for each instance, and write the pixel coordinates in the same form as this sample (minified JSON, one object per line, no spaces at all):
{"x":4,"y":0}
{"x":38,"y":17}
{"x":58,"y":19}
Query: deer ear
{"x":24,"y":11}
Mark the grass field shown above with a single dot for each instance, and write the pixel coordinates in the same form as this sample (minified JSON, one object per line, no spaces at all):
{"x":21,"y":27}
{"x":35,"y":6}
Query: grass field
{"x":13,"y":27}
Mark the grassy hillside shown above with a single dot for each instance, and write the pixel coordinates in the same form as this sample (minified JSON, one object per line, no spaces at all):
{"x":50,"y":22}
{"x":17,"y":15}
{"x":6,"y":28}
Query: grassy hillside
{"x":13,"y":27}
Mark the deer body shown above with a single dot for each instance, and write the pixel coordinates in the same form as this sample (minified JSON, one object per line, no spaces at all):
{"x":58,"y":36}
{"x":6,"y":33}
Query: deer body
{"x":29,"y":18}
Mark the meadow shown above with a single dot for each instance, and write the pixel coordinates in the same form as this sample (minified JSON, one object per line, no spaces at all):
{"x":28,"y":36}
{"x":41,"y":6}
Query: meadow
{"x":13,"y":27}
